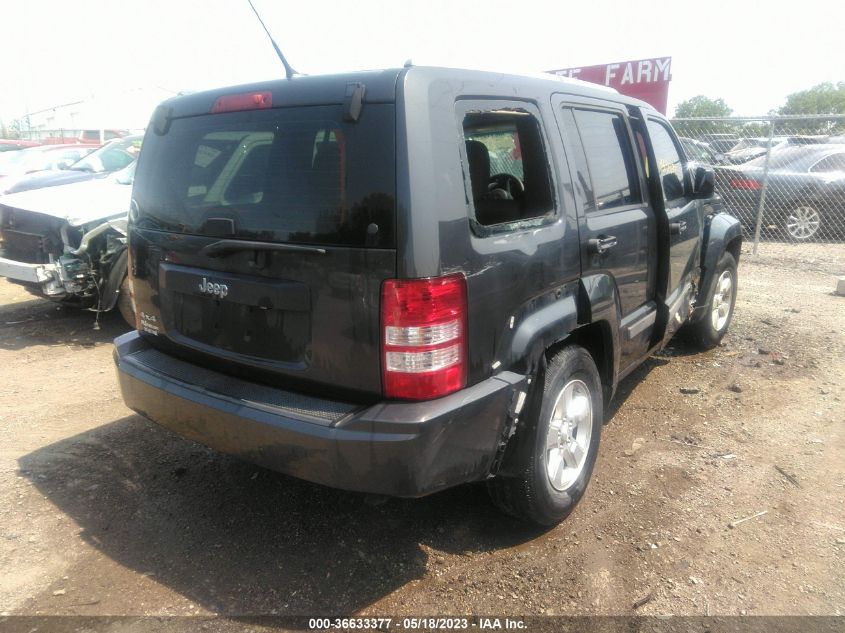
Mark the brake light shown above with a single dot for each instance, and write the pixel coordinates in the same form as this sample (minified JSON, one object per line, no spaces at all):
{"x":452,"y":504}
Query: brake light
{"x":246,"y":101}
{"x":424,"y":325}
{"x":748,"y":184}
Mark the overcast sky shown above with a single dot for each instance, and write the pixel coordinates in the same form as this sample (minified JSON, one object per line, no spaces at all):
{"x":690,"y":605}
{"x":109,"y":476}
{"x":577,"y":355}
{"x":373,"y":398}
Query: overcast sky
{"x":749,"y":53}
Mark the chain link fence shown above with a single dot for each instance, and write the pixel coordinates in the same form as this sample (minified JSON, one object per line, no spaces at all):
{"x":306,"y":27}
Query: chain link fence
{"x":782,"y":176}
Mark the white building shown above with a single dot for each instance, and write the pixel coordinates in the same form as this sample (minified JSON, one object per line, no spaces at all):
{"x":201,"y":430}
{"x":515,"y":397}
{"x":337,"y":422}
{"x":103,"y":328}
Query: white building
{"x":98,"y":116}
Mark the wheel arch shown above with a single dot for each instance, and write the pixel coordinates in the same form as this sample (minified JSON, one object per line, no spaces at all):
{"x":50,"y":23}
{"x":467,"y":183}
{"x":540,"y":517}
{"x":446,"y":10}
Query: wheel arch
{"x":734,"y":247}
{"x":588,"y":314}
{"x":597,"y":339}
{"x":111,"y":284}
{"x":722,"y":234}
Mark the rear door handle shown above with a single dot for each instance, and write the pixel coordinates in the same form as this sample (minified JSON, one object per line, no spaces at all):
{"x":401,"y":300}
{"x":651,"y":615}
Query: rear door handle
{"x":676,"y":228}
{"x":602,"y":243}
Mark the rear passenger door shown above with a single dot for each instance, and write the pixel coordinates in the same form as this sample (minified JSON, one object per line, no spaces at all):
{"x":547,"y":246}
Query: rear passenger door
{"x":683,"y":211}
{"x":616,"y":224}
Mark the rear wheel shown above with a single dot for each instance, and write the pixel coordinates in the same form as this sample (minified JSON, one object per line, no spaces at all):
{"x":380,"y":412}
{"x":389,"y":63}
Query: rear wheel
{"x":803,"y":222}
{"x":709,"y":330}
{"x":553,"y":464}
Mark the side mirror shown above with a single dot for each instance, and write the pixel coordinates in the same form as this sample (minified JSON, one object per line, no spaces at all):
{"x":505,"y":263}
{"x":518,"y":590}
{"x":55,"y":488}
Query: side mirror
{"x":64,"y":164}
{"x":703,"y":181}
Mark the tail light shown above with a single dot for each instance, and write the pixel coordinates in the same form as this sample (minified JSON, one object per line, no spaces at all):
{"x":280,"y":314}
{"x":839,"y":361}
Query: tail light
{"x":424,"y":325}
{"x":748,"y":184}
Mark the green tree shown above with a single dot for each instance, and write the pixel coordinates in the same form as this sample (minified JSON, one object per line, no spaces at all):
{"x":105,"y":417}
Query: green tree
{"x":702,"y":106}
{"x":824,"y":98}
{"x":12,"y":130}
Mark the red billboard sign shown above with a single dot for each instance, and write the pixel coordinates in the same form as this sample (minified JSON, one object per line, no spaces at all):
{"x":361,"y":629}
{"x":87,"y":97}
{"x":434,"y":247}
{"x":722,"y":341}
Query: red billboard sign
{"x":646,"y":79}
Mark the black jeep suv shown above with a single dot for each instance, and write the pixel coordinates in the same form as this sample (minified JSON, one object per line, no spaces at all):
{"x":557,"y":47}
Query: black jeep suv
{"x":404,"y":280}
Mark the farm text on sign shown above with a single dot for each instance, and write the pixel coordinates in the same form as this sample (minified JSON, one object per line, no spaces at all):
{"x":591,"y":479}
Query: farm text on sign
{"x":646,"y":79}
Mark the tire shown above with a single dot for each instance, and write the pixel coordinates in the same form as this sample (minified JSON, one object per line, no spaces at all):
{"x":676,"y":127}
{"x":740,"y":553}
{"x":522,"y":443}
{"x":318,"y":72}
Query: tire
{"x":803,"y":222}
{"x":124,"y":303}
{"x":709,"y":330}
{"x":541,"y":489}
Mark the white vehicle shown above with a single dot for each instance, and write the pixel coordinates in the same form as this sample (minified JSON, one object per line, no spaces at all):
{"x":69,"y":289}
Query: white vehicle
{"x":68,"y":242}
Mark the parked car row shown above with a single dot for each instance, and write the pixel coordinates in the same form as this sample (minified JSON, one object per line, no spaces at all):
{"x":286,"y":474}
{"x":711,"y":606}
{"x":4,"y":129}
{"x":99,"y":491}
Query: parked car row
{"x":805,"y":184}
{"x":65,"y":137}
{"x":720,"y":149}
{"x":26,"y":161}
{"x":748,"y":149}
{"x":805,"y":191}
{"x":701,"y":152}
{"x":93,"y":163}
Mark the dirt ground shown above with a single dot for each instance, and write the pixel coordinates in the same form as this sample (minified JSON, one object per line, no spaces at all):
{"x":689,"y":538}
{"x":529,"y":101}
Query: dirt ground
{"x":103,"y":512}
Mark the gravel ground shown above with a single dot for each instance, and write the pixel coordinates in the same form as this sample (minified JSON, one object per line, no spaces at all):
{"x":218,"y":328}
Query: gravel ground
{"x":104,"y":513}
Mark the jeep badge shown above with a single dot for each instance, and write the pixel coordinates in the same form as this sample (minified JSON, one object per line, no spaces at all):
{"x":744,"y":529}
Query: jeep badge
{"x":218,"y":290}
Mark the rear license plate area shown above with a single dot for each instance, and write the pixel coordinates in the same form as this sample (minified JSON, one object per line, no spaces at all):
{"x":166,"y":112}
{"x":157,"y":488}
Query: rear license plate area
{"x":260,"y":318}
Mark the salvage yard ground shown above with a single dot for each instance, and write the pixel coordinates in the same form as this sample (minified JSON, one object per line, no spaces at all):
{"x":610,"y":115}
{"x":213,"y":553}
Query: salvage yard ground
{"x":102,"y":512}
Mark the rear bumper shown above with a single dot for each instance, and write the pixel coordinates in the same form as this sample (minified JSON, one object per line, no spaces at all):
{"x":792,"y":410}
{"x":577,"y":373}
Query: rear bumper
{"x":391,"y":448}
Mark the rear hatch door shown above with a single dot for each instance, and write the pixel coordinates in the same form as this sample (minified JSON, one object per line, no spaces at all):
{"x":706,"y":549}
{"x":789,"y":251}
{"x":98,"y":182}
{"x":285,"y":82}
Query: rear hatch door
{"x":260,"y":240}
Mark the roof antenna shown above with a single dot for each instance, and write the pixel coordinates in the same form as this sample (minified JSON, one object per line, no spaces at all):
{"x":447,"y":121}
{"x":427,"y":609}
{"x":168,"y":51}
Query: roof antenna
{"x":289,"y":71}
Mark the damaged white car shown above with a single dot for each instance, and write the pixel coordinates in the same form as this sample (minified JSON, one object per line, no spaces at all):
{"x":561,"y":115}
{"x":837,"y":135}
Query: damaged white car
{"x":68,"y":242}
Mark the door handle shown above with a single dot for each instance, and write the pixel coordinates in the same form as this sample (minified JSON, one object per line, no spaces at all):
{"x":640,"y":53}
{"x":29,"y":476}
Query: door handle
{"x":602,"y":243}
{"x":676,"y":228}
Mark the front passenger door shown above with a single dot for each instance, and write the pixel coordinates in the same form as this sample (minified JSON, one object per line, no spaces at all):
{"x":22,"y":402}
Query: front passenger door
{"x":683,"y":211}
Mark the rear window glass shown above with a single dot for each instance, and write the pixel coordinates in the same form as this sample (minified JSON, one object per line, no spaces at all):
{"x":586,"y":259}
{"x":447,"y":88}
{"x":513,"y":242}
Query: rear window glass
{"x":285,"y":175}
{"x":836,"y":162}
{"x":507,"y":167}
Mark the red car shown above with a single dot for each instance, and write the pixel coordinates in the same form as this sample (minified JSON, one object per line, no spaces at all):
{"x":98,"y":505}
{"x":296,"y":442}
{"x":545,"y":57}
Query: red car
{"x":10,"y":145}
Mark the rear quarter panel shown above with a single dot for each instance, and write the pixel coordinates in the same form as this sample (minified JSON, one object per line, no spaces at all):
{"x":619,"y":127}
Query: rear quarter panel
{"x":522,"y":283}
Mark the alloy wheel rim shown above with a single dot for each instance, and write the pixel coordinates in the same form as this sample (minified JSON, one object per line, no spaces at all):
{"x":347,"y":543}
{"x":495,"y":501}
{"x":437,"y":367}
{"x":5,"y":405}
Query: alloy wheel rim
{"x":722,"y":299}
{"x":803,"y":222}
{"x":569,"y":432}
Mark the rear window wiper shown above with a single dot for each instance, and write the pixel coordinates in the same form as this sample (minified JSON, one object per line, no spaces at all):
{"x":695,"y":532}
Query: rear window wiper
{"x":226,"y":247}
